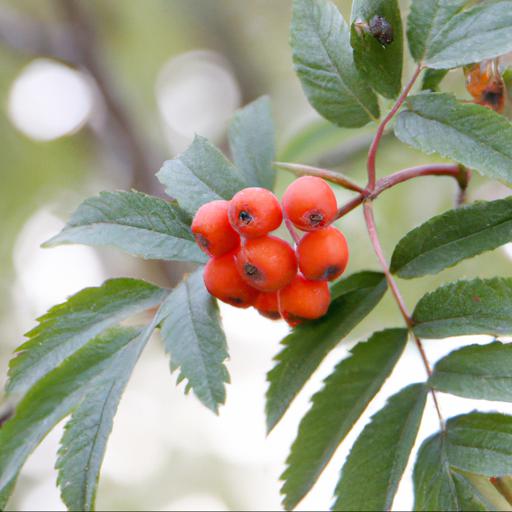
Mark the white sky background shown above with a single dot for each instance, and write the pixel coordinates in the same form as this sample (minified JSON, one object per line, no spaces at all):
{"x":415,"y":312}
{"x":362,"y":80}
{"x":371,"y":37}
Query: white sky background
{"x":156,"y":423}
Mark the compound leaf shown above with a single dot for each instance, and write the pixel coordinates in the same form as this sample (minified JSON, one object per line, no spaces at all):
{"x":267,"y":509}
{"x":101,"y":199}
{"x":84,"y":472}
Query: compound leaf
{"x":480,"y":306}
{"x":372,"y":472}
{"x":324,"y":62}
{"x":69,"y":326}
{"x":453,"y":236}
{"x":199,"y":175}
{"x":308,"y":344}
{"x":335,"y":409}
{"x":380,"y":64}
{"x":136,"y":223}
{"x":476,"y":371}
{"x":473,"y":135}
{"x":252,"y":143}
{"x":194,"y":338}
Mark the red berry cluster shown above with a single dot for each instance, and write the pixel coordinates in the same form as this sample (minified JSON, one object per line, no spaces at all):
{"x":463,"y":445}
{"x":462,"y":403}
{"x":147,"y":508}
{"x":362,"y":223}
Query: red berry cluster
{"x":249,"y":267}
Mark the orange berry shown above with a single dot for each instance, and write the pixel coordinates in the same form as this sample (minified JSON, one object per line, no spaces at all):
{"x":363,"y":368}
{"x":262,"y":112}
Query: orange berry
{"x":267,"y":263}
{"x":254,"y":212}
{"x":310,"y":203}
{"x":223,"y":281}
{"x":304,"y":300}
{"x":323,"y":254}
{"x":212,"y":230}
{"x":267,"y":305}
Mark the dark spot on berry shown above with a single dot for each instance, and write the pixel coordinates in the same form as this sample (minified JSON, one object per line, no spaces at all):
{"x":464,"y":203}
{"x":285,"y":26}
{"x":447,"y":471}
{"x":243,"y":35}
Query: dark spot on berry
{"x":381,"y":29}
{"x":251,"y":271}
{"x":315,"y":218}
{"x":330,"y":272}
{"x":202,"y":241}
{"x":236,"y":300}
{"x":493,"y":98}
{"x":245,"y":217}
{"x":272,"y":315}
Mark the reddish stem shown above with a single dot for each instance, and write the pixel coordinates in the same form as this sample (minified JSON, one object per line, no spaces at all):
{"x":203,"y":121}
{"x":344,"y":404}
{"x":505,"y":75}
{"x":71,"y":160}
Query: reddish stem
{"x":308,"y":170}
{"x":292,"y":231}
{"x":353,"y":203}
{"x":372,"y":153}
{"x":415,"y":172}
{"x":374,"y":238}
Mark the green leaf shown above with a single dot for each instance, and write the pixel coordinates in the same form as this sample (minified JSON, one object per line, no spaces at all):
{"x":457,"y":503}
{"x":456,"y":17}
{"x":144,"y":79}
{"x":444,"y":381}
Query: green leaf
{"x":136,"y":223}
{"x":480,"y":443}
{"x":373,"y":470}
{"x":193,"y":336}
{"x":308,"y":344}
{"x":69,"y":326}
{"x":480,"y":306}
{"x":252,"y":143}
{"x":482,"y":32}
{"x":453,"y":236}
{"x":58,"y":392}
{"x":324,"y":62}
{"x":432,"y":79}
{"x":426,"y":20}
{"x":380,"y":65}
{"x":86,"y":434}
{"x":335,"y":409}
{"x":476,"y":371}
{"x":437,"y":486}
{"x":473,"y":135}
{"x":199,"y":175}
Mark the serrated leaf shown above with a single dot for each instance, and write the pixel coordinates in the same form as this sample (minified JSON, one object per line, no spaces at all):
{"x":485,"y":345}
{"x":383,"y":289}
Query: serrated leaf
{"x":324,"y":63}
{"x":480,"y":306}
{"x":374,"y":467}
{"x":252,"y":143}
{"x":437,"y":486}
{"x":86,"y":433}
{"x":481,"y":32}
{"x":199,"y":175}
{"x":308,"y":344}
{"x":335,"y":409}
{"x":426,"y":20}
{"x":69,"y":326}
{"x":57,"y":393}
{"x":380,"y":65}
{"x":432,"y":79}
{"x":136,"y":223}
{"x":473,"y":135}
{"x":194,"y":338}
{"x":483,"y":372}
{"x":446,"y":239}
{"x":480,"y":443}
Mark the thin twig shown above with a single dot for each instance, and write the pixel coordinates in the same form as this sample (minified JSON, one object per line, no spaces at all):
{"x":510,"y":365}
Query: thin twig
{"x":374,"y":238}
{"x":372,"y":152}
{"x":308,"y":170}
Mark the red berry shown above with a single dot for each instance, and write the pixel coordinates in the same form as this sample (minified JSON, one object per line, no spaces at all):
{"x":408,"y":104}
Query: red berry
{"x":254,"y":212}
{"x":310,"y":203}
{"x":267,"y":305}
{"x":212,"y":230}
{"x":304,"y":300}
{"x":267,"y":263}
{"x":323,"y":254}
{"x":223,"y":281}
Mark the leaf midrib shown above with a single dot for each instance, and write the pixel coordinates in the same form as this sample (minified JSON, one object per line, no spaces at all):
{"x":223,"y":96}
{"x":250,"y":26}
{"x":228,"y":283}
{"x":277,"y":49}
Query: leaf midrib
{"x":453,"y":242}
{"x":338,"y":71}
{"x":128,"y":226}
